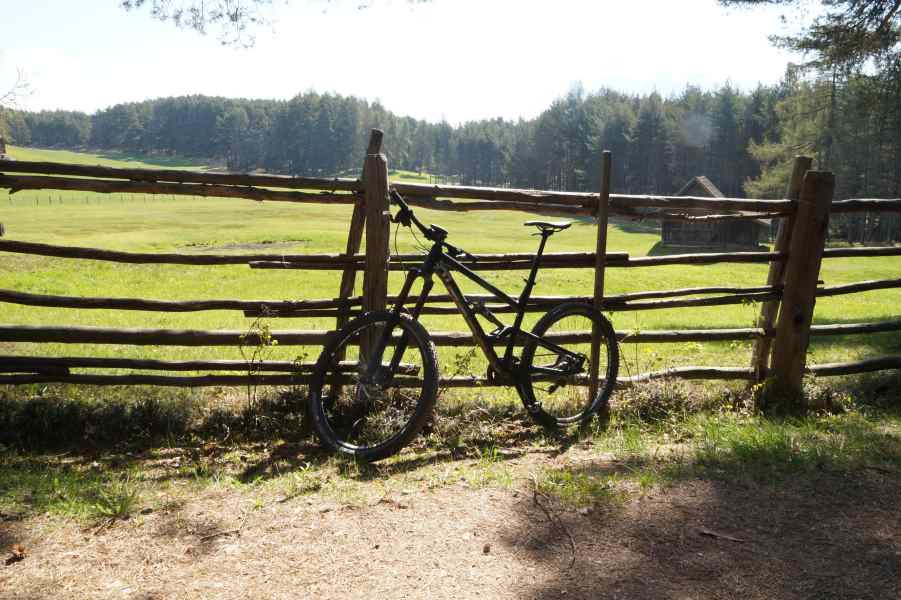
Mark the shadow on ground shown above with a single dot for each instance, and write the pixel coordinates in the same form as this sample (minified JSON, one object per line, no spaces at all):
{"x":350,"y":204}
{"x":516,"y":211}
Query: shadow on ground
{"x":794,"y":510}
{"x":823,"y":535}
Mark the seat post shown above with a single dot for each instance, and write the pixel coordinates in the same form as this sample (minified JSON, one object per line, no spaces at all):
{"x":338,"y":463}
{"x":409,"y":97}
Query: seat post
{"x":533,"y":273}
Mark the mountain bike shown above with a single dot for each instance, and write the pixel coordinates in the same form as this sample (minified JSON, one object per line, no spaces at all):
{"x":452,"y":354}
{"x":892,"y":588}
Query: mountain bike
{"x":376,"y":382}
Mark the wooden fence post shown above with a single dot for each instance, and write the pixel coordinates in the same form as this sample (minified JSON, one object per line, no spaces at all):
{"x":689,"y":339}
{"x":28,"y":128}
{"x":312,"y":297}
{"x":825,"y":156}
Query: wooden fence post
{"x":375,"y":278}
{"x":776,"y":276}
{"x":600,"y":259}
{"x":802,"y":270}
{"x":355,"y":235}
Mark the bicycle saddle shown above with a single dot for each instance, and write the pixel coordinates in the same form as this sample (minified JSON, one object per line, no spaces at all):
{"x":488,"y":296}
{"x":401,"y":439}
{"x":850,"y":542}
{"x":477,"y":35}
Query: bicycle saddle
{"x":548,"y":226}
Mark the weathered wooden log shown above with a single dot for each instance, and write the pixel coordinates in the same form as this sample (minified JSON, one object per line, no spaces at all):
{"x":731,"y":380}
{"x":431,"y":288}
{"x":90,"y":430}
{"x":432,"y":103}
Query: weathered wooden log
{"x":631,"y":201}
{"x":32,"y":364}
{"x":860,"y":286}
{"x":728,"y":217}
{"x":856,"y":328}
{"x":862,"y":251}
{"x":881,"y":363}
{"x":172,"y":258}
{"x":562,"y":260}
{"x":692,"y":302}
{"x":703,"y":259}
{"x":355,"y":231}
{"x":154,"y":337}
{"x":584,"y":200}
{"x":174,"y":176}
{"x":533,"y":308}
{"x":158,"y":380}
{"x":617,"y":298}
{"x":193,"y":337}
{"x":690,"y":373}
{"x":482,"y":262}
{"x":760,"y":354}
{"x":618,"y":202}
{"x":541,"y":209}
{"x":866,"y":205}
{"x":36,"y":364}
{"x":378,"y":233}
{"x":799,"y":294}
{"x":696,"y":291}
{"x":19,"y":183}
{"x":258,"y":307}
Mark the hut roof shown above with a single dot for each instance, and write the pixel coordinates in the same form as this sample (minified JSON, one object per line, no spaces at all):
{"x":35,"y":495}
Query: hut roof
{"x":702,"y":186}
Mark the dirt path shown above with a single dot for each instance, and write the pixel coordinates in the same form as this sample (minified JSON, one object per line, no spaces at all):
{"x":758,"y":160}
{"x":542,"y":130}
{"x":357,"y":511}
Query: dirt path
{"x":829,"y":536}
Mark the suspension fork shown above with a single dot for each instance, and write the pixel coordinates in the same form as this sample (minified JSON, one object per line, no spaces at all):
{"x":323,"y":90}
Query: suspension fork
{"x":385,"y":337}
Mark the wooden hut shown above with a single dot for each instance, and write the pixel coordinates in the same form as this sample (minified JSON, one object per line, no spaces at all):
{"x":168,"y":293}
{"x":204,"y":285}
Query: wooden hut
{"x":3,"y":155}
{"x":745,"y":233}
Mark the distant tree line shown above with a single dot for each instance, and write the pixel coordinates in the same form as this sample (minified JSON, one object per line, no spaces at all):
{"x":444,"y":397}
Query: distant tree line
{"x":848,"y":119}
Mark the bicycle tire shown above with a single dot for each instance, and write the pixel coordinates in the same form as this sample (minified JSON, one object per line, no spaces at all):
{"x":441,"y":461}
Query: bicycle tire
{"x":540,"y":393}
{"x":361,"y":399}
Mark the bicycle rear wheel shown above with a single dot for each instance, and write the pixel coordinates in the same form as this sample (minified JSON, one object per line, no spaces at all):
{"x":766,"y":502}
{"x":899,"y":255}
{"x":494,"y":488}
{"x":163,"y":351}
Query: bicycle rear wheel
{"x":555,"y":386}
{"x":372,"y":406}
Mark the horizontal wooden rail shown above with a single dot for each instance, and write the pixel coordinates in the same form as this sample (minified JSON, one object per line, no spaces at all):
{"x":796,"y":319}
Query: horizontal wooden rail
{"x":110,"y":186}
{"x":856,"y":328}
{"x":171,"y":258}
{"x":155,"y":337}
{"x":36,"y":364}
{"x":420,"y":190}
{"x":194,"y":337}
{"x":631,"y":201}
{"x":331,"y":307}
{"x":866,"y":205}
{"x":260,"y":307}
{"x":688,"y":372}
{"x":157,"y":380}
{"x":862,"y":251}
{"x":468,"y":206}
{"x":532,"y":308}
{"x":705,"y":258}
{"x":746,"y":216}
{"x":564,"y":260}
{"x":621,"y":203}
{"x":869,"y":365}
{"x":484,"y":262}
{"x":178,"y":176}
{"x":860,"y":286}
{"x":727,"y":373}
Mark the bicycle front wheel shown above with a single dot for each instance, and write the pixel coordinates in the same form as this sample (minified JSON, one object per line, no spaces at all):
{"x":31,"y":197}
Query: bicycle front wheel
{"x":556,"y":368}
{"x":374,"y":386}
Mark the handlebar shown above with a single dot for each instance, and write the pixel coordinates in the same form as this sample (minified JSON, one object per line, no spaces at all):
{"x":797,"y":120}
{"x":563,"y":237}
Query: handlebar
{"x":432,"y":233}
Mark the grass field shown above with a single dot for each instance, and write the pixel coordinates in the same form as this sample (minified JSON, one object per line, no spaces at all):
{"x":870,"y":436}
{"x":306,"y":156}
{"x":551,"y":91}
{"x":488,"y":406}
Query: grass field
{"x":148,"y":223}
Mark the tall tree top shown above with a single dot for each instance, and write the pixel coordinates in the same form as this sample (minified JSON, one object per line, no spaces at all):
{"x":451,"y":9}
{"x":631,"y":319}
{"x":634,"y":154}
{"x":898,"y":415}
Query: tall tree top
{"x":849,"y":32}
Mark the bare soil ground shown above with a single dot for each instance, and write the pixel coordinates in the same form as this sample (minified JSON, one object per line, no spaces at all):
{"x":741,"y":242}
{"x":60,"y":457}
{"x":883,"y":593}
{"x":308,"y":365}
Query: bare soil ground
{"x":442,"y":534}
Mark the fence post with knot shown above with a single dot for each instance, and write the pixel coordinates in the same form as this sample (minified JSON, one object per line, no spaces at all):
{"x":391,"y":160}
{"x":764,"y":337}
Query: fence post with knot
{"x":776,"y":277}
{"x":802,"y":271}
{"x":375,"y":186}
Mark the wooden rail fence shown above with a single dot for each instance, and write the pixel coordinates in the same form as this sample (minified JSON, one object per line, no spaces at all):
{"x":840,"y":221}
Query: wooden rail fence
{"x":780,"y":338}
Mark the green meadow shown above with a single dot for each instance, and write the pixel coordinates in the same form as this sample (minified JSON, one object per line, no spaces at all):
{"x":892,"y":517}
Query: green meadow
{"x":196,"y":225}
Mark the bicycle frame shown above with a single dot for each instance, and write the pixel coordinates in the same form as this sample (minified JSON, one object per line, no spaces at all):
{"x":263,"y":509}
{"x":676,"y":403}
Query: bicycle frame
{"x":439,"y":263}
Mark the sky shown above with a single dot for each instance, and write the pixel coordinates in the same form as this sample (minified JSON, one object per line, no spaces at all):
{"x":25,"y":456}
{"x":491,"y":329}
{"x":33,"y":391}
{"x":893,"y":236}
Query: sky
{"x":457,"y":60}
